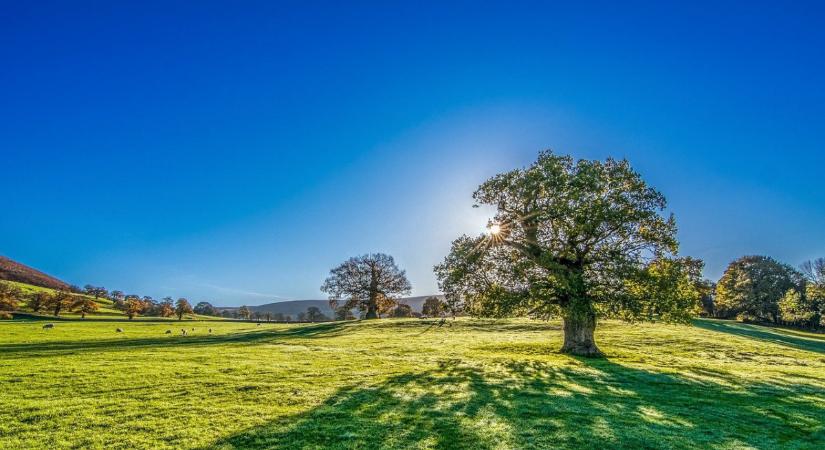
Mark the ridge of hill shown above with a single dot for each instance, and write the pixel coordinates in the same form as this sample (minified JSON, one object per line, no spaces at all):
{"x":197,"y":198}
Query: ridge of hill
{"x":11,"y":270}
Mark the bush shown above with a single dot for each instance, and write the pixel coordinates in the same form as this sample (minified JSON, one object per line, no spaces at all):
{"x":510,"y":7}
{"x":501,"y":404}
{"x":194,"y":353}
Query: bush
{"x":5,"y":315}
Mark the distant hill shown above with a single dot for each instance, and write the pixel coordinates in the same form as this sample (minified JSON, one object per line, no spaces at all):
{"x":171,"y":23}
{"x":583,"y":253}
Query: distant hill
{"x":14,"y":271}
{"x":293,"y":307}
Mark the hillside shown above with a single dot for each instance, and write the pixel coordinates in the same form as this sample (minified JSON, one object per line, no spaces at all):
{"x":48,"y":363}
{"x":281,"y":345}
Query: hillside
{"x":293,"y":307}
{"x":14,"y":271}
{"x":470,"y":384}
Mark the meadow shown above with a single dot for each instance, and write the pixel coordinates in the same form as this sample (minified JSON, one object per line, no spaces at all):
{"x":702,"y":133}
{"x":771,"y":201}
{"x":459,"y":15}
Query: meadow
{"x":474,"y":384}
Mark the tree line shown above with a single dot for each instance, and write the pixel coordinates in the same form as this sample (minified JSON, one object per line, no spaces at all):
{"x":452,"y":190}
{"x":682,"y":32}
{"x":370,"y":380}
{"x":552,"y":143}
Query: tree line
{"x":85,"y":301}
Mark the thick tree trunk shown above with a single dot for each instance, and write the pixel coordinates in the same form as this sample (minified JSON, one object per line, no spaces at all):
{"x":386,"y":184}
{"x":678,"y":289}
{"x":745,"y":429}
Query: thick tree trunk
{"x":578,"y":335}
{"x":372,"y":312}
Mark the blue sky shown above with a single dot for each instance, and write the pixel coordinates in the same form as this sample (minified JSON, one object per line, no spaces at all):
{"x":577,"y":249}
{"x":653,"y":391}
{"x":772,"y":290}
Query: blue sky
{"x":235,"y":153}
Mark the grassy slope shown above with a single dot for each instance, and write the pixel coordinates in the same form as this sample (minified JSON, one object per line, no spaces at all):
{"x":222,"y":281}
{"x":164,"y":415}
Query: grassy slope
{"x":106,"y":310}
{"x":408,"y":384}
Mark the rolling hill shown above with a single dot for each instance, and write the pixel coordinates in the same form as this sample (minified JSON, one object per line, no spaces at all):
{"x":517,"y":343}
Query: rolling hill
{"x":11,"y":270}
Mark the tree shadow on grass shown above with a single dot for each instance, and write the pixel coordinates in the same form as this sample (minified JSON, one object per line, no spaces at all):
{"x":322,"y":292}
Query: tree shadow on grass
{"x":583,"y":404}
{"x":54,"y":348}
{"x":787,"y":338}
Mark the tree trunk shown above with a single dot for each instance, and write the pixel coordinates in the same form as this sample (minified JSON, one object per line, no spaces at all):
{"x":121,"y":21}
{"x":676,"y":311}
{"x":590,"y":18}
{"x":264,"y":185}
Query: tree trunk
{"x":578,"y":335}
{"x":372,"y":312}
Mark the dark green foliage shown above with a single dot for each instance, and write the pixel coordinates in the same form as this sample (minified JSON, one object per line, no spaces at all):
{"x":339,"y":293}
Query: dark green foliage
{"x":402,"y":311}
{"x":752,"y":287}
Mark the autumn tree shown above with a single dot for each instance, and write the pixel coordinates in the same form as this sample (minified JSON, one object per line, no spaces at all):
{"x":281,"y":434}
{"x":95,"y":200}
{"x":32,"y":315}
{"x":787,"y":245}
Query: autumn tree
{"x":182,"y":307}
{"x":166,"y":307}
{"x":84,"y":305}
{"x":59,"y":301}
{"x":371,"y":283}
{"x":244,"y":312}
{"x":432,"y":307}
{"x":752,"y":286}
{"x":38,"y":300}
{"x":575,"y":239}
{"x":133,"y":306}
{"x":9,"y":297}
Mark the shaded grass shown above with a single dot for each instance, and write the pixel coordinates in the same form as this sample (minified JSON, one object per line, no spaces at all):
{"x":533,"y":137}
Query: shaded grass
{"x":405,"y":384}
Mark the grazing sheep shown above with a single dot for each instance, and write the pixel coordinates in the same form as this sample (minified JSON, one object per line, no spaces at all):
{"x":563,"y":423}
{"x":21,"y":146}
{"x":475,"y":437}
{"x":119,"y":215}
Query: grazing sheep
{"x":210,"y":331}
{"x":48,"y":326}
{"x":168,"y":331}
{"x":193,"y":328}
{"x":183,"y":332}
{"x":119,"y":330}
{"x":259,"y":323}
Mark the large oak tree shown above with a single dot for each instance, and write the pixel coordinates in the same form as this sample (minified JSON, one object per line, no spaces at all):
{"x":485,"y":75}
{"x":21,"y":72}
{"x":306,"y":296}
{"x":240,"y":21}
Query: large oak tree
{"x":371,"y":283}
{"x":577,"y":239}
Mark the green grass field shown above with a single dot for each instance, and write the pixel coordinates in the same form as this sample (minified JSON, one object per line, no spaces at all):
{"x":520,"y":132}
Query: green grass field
{"x":407,"y":384}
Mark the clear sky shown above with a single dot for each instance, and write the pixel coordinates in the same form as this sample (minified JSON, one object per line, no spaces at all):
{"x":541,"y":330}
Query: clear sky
{"x":236,"y":151}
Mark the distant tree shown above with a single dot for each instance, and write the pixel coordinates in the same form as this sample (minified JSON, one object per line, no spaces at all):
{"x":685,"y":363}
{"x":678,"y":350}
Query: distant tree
{"x":371,"y":282}
{"x":75,"y":289}
{"x":402,"y":311}
{"x":753,"y":286}
{"x":166,"y":308}
{"x":812,"y":304}
{"x":58,"y":301}
{"x":257,"y":315}
{"x":279,"y":317}
{"x":433,"y":307}
{"x":182,"y":307}
{"x":84,"y":305}
{"x":116,"y":295}
{"x":9,"y":297}
{"x":133,"y":306}
{"x":244,"y":312}
{"x":225,"y":313}
{"x":570,"y":238}
{"x":38,"y":300}
{"x":206,"y":309}
{"x":302,"y":316}
{"x":95,"y":291}
{"x":268,"y":316}
{"x":314,"y":314}
{"x":344,"y":313}
{"x":288,"y":319}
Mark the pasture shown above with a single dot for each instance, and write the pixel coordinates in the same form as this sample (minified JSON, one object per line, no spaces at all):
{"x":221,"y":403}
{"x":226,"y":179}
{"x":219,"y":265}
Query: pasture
{"x":474,"y":384}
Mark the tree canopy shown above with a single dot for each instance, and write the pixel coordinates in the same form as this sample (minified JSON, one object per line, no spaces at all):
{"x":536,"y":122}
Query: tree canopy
{"x":576,"y":239}
{"x":371,"y":283}
{"x":753,"y":286}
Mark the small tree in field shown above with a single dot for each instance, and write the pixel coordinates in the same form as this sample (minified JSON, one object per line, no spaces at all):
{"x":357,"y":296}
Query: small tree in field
{"x":314,"y":314}
{"x":402,"y":311}
{"x":182,"y":307}
{"x":576,"y":239}
{"x":84,"y":305}
{"x":38,"y":301}
{"x":166,"y":308}
{"x":371,"y":282}
{"x":432,"y":307}
{"x":753,"y":286}
{"x":244,"y":312}
{"x":133,"y":307}
{"x":344,"y":313}
{"x":9,"y":297}
{"x":59,"y":301}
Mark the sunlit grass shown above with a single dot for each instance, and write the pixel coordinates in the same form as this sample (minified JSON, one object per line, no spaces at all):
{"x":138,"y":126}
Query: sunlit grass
{"x":407,"y":384}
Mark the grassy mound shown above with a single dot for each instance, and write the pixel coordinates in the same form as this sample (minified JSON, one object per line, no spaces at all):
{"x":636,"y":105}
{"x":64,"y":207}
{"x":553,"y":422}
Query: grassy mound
{"x":407,"y":384}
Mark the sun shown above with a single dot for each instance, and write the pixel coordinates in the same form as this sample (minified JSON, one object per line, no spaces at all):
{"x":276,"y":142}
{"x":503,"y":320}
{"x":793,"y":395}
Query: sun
{"x":494,"y":229}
